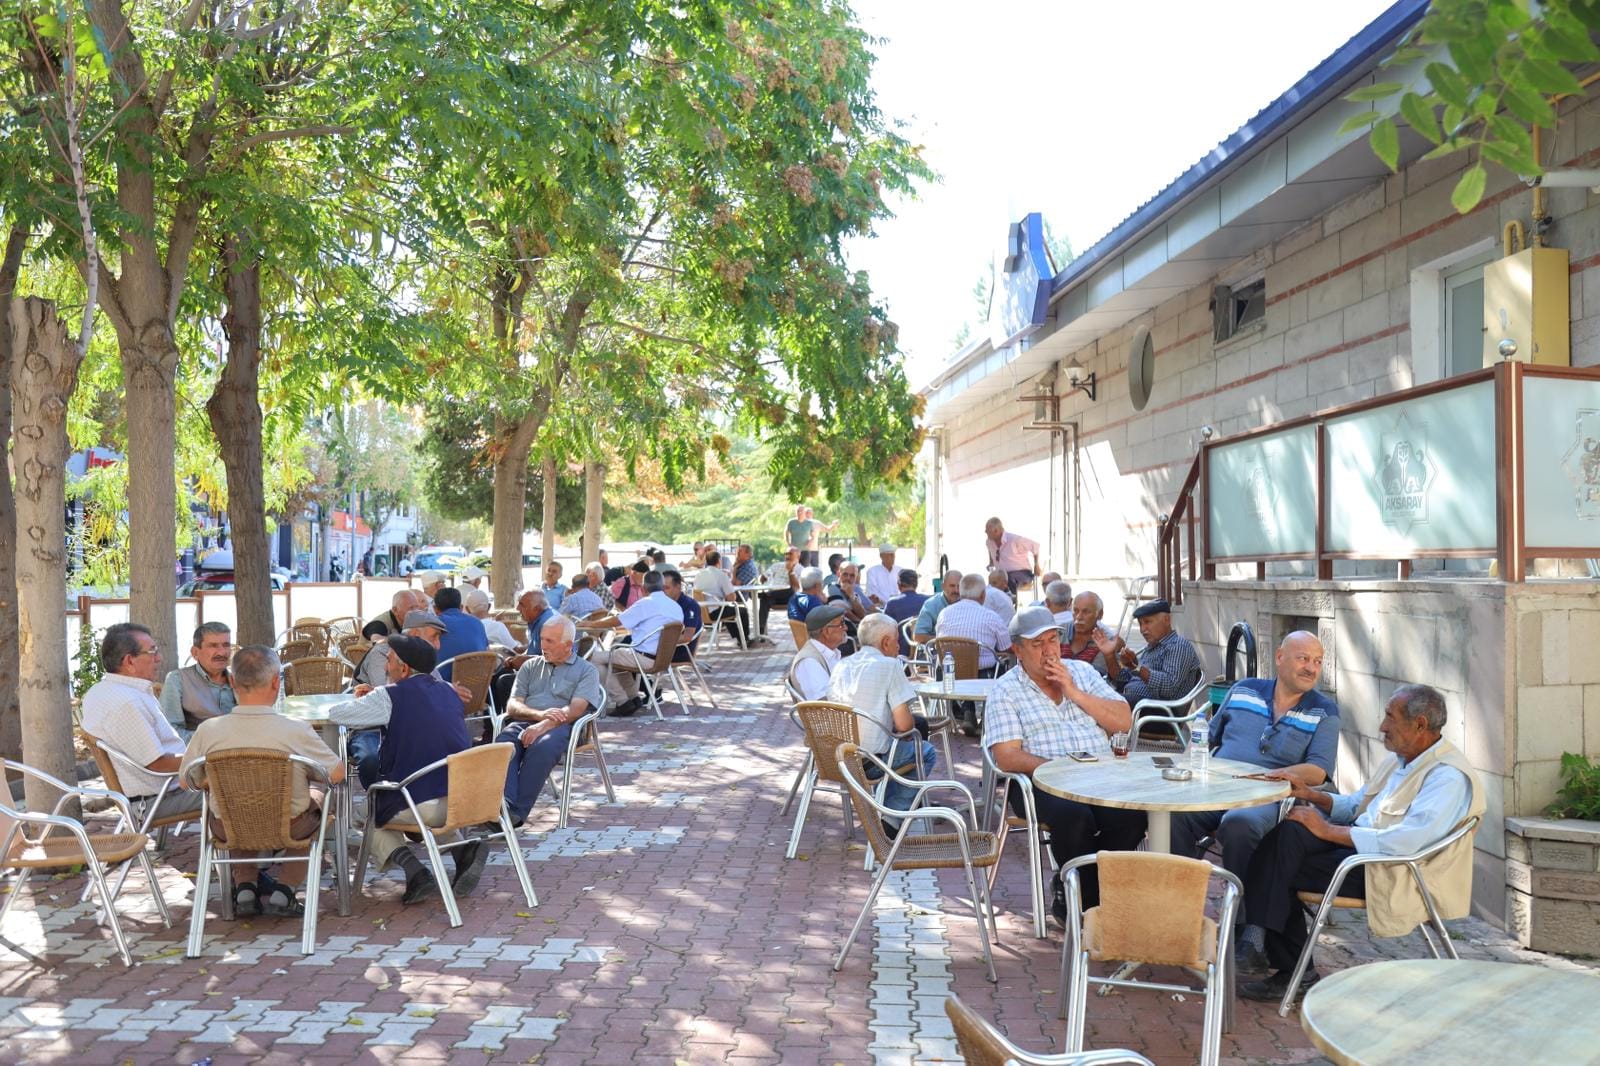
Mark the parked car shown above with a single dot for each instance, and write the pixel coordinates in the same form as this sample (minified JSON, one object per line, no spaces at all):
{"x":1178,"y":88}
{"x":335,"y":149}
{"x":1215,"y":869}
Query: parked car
{"x":438,"y":559}
{"x":218,"y":581}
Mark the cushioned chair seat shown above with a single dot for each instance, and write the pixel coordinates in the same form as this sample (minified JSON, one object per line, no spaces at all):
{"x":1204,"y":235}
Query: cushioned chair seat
{"x":1093,"y":938}
{"x":58,"y":851}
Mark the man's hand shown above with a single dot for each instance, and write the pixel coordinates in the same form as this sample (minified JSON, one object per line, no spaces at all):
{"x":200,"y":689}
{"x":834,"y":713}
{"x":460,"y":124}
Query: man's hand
{"x":1126,"y":657}
{"x":360,"y":690}
{"x":1058,"y":682}
{"x":1311,"y":818}
{"x":463,"y":691}
{"x":537,"y":730}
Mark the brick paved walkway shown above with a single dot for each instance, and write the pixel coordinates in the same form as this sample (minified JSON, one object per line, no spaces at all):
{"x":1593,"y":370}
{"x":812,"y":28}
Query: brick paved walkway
{"x":669,"y":929}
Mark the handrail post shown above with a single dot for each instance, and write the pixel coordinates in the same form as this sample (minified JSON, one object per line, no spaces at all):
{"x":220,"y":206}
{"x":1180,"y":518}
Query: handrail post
{"x":1323,"y":563}
{"x":1208,"y":569}
{"x":1510,"y":533}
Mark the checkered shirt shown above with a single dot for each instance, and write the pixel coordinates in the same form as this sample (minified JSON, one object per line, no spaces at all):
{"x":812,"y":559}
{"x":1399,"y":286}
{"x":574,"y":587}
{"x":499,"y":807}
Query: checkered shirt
{"x":971,"y":619}
{"x":1019,"y":710}
{"x":875,"y":685}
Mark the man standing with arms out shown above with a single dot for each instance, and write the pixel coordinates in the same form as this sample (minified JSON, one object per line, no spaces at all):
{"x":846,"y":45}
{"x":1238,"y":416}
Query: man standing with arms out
{"x":1016,"y":557}
{"x":552,"y":691}
{"x":204,"y":689}
{"x":121,"y":709}
{"x":798,"y":533}
{"x":1413,"y":800}
{"x":928,"y":617}
{"x":1166,"y":669}
{"x":1044,"y":709}
{"x":883,"y":580}
{"x":1284,"y":725}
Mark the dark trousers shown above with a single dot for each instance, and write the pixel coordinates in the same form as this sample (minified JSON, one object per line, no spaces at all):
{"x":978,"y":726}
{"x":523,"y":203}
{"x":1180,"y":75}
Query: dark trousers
{"x":1082,"y":829}
{"x":1289,"y":860}
{"x":530,"y":766}
{"x":733,"y":616}
{"x":363,"y":747}
{"x":767,"y":601}
{"x":808,"y":558}
{"x":1017,"y":579}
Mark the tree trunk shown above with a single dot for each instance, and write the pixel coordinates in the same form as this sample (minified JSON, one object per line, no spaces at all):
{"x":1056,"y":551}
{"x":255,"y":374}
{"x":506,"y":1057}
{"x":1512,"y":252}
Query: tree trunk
{"x":547,"y":518}
{"x":44,"y":375}
{"x":861,"y":532}
{"x":235,"y":413}
{"x":510,"y":509}
{"x":10,"y":721}
{"x":149,"y":363}
{"x":594,"y":483}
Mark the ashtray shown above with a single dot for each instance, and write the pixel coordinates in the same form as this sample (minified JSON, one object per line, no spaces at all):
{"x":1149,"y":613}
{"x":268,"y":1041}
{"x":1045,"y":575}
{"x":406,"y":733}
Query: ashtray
{"x":1177,"y":773}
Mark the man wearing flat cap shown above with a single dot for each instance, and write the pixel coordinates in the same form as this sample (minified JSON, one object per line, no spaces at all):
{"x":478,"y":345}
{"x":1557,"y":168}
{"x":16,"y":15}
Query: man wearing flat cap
{"x":814,"y":663}
{"x":422,"y":723}
{"x":1167,"y":668}
{"x":1046,"y":709}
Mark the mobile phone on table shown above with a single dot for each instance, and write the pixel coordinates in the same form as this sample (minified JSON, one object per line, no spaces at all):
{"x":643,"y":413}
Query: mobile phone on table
{"x":1082,"y":756}
{"x":1164,"y":762}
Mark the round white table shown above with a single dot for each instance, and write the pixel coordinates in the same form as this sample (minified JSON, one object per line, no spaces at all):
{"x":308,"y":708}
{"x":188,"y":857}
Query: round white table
{"x":314,"y":710}
{"x":1444,"y":1010}
{"x":1135,"y":783}
{"x":975,"y":690}
{"x":750,"y":594}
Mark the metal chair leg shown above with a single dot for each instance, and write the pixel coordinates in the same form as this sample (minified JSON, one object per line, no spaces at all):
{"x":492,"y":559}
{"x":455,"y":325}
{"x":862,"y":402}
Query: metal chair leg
{"x":308,"y":927}
{"x":16,"y":890}
{"x":566,"y":794}
{"x":202,"y":897}
{"x":605,"y":771}
{"x":794,"y":789}
{"x":800,"y":815}
{"x":866,"y":908}
{"x":978,"y":898}
{"x":1305,"y":953}
{"x":518,"y":862}
{"x":441,"y":877}
{"x":155,"y":887}
{"x":97,"y":874}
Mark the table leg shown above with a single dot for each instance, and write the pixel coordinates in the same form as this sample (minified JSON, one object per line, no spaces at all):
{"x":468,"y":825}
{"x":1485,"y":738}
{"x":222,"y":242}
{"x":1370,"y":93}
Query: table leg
{"x":1159,"y":827}
{"x":341,"y":848}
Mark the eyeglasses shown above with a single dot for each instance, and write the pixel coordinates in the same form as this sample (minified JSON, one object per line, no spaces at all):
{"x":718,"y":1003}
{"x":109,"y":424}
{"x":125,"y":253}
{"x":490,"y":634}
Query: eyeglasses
{"x":146,"y":651}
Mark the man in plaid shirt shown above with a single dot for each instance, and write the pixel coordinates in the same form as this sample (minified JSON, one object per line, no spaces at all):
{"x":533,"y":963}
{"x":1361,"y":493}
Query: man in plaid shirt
{"x":1044,"y":709}
{"x":1167,"y":668}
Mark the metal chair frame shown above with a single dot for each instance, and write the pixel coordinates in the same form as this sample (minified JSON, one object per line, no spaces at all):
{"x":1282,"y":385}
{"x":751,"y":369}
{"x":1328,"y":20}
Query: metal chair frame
{"x":91,"y":862}
{"x":1150,"y":712}
{"x":209,"y":858}
{"x":489,"y":713}
{"x":694,"y":667}
{"x":993,"y":1049}
{"x":649,"y":674}
{"x":1000,"y":780}
{"x":1218,"y":975}
{"x":144,"y":807}
{"x":1330,"y":899}
{"x":813,"y":772}
{"x":589,"y":723}
{"x":431,"y":843}
{"x":293,"y":668}
{"x":978,"y":885}
{"x":715,"y":623}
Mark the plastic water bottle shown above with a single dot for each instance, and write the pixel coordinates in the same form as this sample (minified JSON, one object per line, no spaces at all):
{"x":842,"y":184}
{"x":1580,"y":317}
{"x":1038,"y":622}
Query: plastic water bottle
{"x":1200,"y":744}
{"x":949,"y":671}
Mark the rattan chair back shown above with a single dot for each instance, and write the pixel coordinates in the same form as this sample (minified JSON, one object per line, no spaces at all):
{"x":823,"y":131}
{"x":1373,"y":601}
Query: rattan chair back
{"x":801,"y":634}
{"x":828,"y":725}
{"x":314,"y":631}
{"x":343,"y":626}
{"x":108,"y":765}
{"x":474,"y":670}
{"x":249,"y":791}
{"x":519,"y":631}
{"x":291,"y":650}
{"x":666,"y":648}
{"x":355,"y":651}
{"x":1152,"y":909}
{"x":344,"y":640}
{"x":846,"y":759}
{"x":314,"y":675}
{"x":475,"y":785}
{"x":979,"y":1044}
{"x":965,"y":649}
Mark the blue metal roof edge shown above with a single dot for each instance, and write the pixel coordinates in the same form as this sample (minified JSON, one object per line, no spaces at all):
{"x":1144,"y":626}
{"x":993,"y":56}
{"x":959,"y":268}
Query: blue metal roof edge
{"x":1373,"y":39}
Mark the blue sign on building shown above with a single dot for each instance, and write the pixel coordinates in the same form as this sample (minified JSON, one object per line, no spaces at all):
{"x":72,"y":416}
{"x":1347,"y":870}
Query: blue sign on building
{"x":1021,"y":298}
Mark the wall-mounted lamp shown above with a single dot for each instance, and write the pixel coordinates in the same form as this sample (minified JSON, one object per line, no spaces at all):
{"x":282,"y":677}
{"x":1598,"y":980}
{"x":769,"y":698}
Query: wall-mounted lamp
{"x":1080,"y":381}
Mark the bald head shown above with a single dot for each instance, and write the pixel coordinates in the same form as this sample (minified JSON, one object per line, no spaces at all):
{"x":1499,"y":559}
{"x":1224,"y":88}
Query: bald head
{"x":1299,"y":662}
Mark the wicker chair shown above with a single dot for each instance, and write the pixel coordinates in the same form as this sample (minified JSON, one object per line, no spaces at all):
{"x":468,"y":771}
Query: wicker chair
{"x":143,"y":808}
{"x":798,"y":630}
{"x":313,"y":630}
{"x":982,"y":1044}
{"x":650,"y":675}
{"x":474,"y":794}
{"x":686,"y":642}
{"x":584,"y":739}
{"x":473,"y":670}
{"x":79,"y":847}
{"x":1168,"y":719}
{"x":343,"y":626}
{"x":965,"y":651}
{"x":353,"y":652}
{"x":964,"y":848}
{"x":714,"y":619}
{"x":291,"y":650}
{"x":826,"y":726}
{"x":248,"y":790}
{"x":1152,"y":911}
{"x":345,"y":641}
{"x":315,"y":675}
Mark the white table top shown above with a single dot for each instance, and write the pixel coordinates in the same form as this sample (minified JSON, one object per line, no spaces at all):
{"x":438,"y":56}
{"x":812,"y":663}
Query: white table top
{"x":1134,"y":783}
{"x":313,"y":709}
{"x":974,"y":689}
{"x":1442,"y":1010}
{"x":757,"y":587}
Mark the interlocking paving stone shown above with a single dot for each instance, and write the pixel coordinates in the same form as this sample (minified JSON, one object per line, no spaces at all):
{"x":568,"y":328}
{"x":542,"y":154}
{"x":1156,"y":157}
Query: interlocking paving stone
{"x":669,"y":929}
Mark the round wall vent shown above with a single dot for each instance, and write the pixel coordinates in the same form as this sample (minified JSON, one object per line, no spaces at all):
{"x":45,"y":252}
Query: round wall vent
{"x":1141,"y":367}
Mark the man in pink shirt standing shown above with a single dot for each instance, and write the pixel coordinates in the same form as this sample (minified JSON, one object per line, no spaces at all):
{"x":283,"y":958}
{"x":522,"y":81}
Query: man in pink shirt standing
{"x":1015,"y":556}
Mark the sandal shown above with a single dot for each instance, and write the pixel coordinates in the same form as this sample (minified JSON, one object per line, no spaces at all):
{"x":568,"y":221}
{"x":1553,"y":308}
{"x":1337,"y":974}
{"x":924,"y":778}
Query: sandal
{"x":246,"y":900}
{"x":282,"y":903}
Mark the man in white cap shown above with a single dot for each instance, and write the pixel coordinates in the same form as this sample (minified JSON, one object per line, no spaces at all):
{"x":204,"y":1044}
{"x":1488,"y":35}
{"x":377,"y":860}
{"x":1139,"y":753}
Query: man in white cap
{"x":431,"y":581}
{"x":476,"y":603}
{"x":883,"y":580}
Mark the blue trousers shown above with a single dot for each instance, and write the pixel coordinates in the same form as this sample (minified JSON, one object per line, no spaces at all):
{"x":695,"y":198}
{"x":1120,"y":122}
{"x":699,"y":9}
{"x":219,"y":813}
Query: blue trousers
{"x":363,"y":746}
{"x":530,"y":766}
{"x":899,"y":796}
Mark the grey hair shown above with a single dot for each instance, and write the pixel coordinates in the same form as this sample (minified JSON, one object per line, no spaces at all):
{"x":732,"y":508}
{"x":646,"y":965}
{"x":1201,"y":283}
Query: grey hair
{"x":873,"y":628}
{"x":210,"y":629}
{"x":592,"y":567}
{"x":1058,"y":594}
{"x":254,"y":667}
{"x":569,"y":628}
{"x":973,"y":586}
{"x":1099,"y":604}
{"x":1422,"y":701}
{"x":119,"y":643}
{"x":811,"y":578}
{"x":400,"y":599}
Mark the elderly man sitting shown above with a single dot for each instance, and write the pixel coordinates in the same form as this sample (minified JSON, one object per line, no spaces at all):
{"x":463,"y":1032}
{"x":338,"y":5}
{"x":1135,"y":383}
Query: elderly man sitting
{"x":623,"y":663}
{"x":1083,"y":629}
{"x":873,"y":681}
{"x":254,"y":723}
{"x":810,"y":596}
{"x":1045,"y":709}
{"x":906,"y":604}
{"x":552,"y":691}
{"x":883,"y":580}
{"x":1167,"y":668}
{"x":971,"y":619}
{"x":422,"y":723}
{"x":928,"y":617}
{"x":203,"y":689}
{"x":581,"y":601}
{"x":599,"y":585}
{"x":721,"y":601}
{"x":998,"y":596}
{"x":1049,"y":578}
{"x":814,"y":663}
{"x":1058,"y":598}
{"x":1413,"y":800}
{"x":476,"y":603}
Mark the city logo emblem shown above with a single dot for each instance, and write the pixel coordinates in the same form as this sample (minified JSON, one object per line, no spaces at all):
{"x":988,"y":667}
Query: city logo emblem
{"x":1405,"y":475}
{"x":1582,"y":464}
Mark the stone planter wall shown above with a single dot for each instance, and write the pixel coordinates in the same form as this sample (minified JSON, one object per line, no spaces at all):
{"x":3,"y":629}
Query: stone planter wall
{"x":1553,"y":884}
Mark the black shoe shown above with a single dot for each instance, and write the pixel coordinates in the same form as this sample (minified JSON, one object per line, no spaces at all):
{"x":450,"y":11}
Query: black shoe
{"x":1270,"y":989}
{"x":626,"y":710}
{"x":890,"y":828}
{"x":420,"y":885}
{"x":1248,"y":958}
{"x":246,"y":900}
{"x":1058,"y":901}
{"x":469,"y":867}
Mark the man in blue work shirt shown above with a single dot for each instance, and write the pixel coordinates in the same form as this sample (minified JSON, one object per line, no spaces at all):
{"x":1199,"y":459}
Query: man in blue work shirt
{"x":810,"y":596}
{"x":463,"y":632}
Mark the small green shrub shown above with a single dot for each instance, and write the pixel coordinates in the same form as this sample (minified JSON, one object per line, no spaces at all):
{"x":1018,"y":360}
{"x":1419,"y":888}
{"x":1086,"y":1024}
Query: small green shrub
{"x":1579,"y":797}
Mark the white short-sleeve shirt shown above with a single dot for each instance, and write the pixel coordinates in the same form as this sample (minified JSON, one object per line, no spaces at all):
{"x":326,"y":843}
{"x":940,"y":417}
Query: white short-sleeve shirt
{"x":123,"y":711}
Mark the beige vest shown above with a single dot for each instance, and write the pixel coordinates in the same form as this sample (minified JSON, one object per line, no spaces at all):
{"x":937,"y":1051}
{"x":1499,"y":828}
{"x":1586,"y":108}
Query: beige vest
{"x":816,"y":653}
{"x":1394,"y":906}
